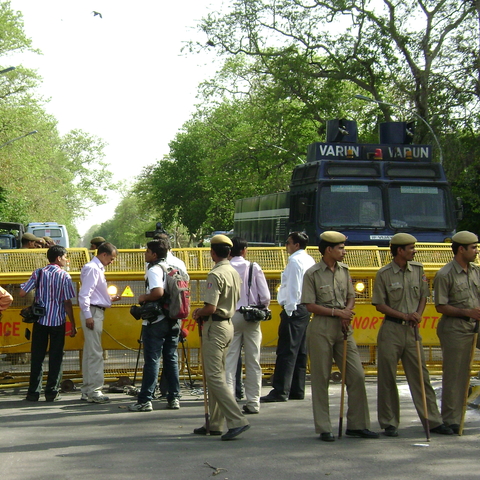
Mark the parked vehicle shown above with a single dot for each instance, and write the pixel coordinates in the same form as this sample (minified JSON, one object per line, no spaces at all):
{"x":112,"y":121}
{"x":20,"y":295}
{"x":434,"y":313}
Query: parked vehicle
{"x":57,"y":232}
{"x":369,"y":192}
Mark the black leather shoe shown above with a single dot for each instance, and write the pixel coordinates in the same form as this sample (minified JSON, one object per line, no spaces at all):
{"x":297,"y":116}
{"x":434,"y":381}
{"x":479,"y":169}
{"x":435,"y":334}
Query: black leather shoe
{"x":203,"y":431}
{"x":234,"y":432}
{"x":31,"y":398}
{"x":455,"y":428}
{"x":296,"y":397}
{"x":442,"y":430}
{"x":247,"y":411}
{"x":391,"y":431}
{"x":272,"y":398}
{"x":327,"y":437}
{"x":365,"y":433}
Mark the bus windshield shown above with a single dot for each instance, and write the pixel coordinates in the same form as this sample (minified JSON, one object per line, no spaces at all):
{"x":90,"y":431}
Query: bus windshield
{"x":351,"y":206}
{"x":418,"y":207}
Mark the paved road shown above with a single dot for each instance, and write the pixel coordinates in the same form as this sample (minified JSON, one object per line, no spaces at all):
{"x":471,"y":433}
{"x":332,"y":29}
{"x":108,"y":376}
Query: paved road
{"x":70,"y":439}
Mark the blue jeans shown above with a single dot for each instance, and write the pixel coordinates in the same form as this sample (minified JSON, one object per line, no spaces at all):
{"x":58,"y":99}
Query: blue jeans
{"x":156,"y":337}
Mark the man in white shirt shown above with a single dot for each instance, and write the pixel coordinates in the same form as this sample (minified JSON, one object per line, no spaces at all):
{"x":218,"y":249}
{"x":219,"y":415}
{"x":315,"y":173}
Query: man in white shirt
{"x":93,"y":299}
{"x":246,"y":333}
{"x":171,"y":342}
{"x":158,"y":334}
{"x":291,"y":363}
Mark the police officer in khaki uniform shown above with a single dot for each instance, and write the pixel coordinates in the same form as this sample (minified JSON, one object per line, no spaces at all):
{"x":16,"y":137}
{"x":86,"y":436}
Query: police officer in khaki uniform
{"x":222,"y":295}
{"x":457,"y":298}
{"x":328,"y":294}
{"x":400,"y":293}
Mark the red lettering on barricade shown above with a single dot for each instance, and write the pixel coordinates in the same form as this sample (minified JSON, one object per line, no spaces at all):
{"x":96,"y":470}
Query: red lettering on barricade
{"x":365,"y":323}
{"x":356,"y":322}
{"x":189,"y":324}
{"x":7,"y":329}
{"x":434,"y":321}
{"x":423,"y":323}
{"x":374,"y":323}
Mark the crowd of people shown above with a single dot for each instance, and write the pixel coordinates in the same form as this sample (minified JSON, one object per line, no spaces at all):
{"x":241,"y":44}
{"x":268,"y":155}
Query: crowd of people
{"x":317,"y":301}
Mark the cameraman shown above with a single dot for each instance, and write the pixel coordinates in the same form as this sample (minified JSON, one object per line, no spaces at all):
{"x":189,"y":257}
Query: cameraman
{"x":246,"y":332}
{"x":157,"y":333}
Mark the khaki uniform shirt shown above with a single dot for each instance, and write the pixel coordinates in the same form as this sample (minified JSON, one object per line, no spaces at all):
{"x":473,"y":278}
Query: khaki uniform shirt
{"x":326,"y":288}
{"x":223,"y":288}
{"x":400,"y":289}
{"x":453,"y":286}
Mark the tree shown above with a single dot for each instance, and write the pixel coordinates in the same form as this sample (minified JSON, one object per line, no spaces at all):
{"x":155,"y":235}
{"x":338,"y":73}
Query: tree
{"x":44,"y":177}
{"x":127,"y":227}
{"x":411,"y":52}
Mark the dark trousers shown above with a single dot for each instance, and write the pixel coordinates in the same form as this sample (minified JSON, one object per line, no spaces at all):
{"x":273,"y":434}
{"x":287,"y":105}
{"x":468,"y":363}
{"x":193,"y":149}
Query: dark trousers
{"x":41,"y":335}
{"x":158,"y":337}
{"x":291,"y":362}
{"x":170,"y":363}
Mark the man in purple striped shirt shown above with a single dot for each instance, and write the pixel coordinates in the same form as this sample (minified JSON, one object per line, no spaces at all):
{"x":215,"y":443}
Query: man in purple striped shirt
{"x":93,"y":299}
{"x":54,"y":291}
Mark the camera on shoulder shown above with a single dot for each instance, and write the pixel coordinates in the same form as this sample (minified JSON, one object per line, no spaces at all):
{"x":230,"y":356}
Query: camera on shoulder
{"x":256,"y":313}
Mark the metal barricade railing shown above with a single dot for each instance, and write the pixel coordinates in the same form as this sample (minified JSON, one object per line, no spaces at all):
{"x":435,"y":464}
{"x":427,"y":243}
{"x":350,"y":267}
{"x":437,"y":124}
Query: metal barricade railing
{"x":121,"y":331}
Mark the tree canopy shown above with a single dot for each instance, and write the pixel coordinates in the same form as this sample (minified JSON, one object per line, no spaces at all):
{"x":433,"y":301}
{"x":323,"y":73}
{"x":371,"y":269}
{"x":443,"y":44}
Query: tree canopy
{"x":45,"y":177}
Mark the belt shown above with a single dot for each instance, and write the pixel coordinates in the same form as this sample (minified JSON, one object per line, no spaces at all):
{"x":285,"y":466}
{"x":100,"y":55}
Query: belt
{"x":396,"y":320}
{"x":98,"y":306}
{"x":467,"y":319}
{"x":217,"y":318}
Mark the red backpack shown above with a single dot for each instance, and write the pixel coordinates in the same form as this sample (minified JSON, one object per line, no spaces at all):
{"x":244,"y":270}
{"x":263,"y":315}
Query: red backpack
{"x":176,"y":300}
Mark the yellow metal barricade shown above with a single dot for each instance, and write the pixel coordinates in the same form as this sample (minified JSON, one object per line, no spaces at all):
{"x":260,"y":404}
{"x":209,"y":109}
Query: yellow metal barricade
{"x":121,"y":330}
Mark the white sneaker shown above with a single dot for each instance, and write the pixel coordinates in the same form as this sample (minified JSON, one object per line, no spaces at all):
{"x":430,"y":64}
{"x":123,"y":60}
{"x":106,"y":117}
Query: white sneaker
{"x":174,"y":404}
{"x":141,"y":407}
{"x":84,"y":397}
{"x":98,"y":399}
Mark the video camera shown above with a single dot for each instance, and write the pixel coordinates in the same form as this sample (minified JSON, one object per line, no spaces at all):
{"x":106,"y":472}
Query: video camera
{"x":255,"y":313}
{"x":149,"y":311}
{"x":158,"y":230}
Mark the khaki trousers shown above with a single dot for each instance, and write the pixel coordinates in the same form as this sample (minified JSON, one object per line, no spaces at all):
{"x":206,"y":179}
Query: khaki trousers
{"x":248,"y":334}
{"x":325,"y":342}
{"x":456,"y":337}
{"x":223,"y":406}
{"x":92,"y":360}
{"x":397,"y":342}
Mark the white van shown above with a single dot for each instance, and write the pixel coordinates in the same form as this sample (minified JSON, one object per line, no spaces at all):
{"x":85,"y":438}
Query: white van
{"x":58,"y":233}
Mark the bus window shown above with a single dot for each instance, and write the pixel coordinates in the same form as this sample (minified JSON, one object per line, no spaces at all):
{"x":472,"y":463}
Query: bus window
{"x":422,"y":207}
{"x":351,"y":206}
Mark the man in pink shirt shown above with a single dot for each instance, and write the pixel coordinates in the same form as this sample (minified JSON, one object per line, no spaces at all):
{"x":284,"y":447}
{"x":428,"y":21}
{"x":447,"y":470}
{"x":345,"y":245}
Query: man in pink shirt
{"x":248,"y":334}
{"x":93,"y":299}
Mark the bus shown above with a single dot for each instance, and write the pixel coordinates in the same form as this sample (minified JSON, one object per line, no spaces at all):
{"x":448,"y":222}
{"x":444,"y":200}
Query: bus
{"x":369,"y":192}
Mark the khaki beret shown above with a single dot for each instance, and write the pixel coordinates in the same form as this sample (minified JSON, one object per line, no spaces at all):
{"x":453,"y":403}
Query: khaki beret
{"x":465,"y":238}
{"x":403,"y":239}
{"x":29,"y":237}
{"x":218,"y":239}
{"x":48,"y":239}
{"x":97,"y":240}
{"x":331,"y":236}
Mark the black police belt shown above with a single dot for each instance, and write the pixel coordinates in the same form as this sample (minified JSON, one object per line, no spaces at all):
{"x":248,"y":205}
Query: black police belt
{"x":466,"y":319}
{"x":218,"y":318}
{"x":388,"y":318}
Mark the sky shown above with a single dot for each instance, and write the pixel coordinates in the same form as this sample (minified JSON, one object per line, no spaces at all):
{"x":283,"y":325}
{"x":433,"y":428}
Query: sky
{"x":121,"y":77}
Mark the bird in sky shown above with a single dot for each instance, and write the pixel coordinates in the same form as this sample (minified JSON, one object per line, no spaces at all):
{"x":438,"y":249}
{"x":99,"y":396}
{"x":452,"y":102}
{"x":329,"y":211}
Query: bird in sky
{"x":97,"y":13}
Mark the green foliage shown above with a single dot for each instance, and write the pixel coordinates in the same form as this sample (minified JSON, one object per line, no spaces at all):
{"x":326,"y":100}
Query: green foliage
{"x":44,"y":177}
{"x":416,"y":53}
{"x":127,"y":227}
